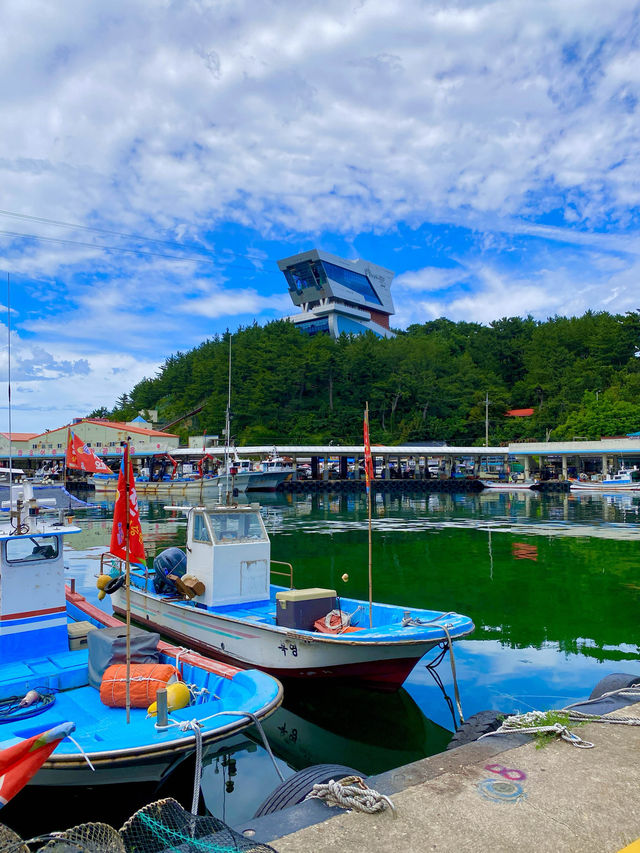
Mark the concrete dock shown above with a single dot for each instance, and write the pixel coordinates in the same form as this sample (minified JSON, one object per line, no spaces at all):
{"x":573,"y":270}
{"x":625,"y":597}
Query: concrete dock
{"x":559,"y":799}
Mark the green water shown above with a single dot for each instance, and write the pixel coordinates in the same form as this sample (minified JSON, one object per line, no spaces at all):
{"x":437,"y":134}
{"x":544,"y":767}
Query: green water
{"x":551,"y":583}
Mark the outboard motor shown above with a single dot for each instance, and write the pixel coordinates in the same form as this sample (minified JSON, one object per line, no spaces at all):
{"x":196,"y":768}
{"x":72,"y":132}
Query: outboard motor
{"x":171,"y":561}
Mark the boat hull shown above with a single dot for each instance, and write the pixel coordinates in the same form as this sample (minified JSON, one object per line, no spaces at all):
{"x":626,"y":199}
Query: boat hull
{"x":604,"y":488}
{"x":209,"y":488}
{"x":507,"y":487}
{"x":286,"y":653}
{"x":267,"y":482}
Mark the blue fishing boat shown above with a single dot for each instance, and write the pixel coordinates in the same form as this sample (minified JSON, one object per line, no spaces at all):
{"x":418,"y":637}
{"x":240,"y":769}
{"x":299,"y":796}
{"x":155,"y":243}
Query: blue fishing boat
{"x":51,"y":673}
{"x":217,"y":598}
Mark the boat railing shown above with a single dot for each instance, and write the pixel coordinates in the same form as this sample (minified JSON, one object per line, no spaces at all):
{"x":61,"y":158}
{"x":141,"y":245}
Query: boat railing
{"x":288,"y":574}
{"x":119,"y":564}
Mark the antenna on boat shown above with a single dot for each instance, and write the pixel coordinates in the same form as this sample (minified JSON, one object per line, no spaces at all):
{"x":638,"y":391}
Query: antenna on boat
{"x":9,"y":380}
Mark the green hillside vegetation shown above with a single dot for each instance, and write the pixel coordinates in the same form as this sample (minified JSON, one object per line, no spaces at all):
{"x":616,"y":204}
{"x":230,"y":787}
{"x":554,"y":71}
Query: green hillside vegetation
{"x":581,"y":374}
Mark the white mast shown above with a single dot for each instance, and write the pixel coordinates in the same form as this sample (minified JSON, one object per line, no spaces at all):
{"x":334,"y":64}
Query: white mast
{"x":9,"y":380}
{"x":227,"y":429}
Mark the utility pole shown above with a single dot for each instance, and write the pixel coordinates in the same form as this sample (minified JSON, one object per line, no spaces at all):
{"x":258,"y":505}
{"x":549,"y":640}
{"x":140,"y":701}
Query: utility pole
{"x":486,"y":420}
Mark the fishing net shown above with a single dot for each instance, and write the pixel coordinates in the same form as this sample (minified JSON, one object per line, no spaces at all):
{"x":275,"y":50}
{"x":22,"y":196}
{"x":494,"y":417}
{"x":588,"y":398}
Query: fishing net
{"x":160,"y":827}
{"x":10,"y":841}
{"x":165,"y":825}
{"x":86,"y":838}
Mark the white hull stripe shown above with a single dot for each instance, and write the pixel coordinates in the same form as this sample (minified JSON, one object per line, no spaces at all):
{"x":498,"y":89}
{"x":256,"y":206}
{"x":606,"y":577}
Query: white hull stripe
{"x":54,"y":622}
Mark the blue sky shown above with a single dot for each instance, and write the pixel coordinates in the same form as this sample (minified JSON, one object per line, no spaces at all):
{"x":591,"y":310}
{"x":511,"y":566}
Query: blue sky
{"x":487,"y":152}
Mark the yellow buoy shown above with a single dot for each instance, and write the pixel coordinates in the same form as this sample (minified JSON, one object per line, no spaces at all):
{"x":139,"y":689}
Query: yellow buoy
{"x":178,"y":696}
{"x":102,"y":581}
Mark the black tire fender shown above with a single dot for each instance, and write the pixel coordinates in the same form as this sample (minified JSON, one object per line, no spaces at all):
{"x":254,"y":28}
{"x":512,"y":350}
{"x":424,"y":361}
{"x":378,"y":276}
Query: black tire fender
{"x":115,"y":584}
{"x":476,"y":725}
{"x":294,"y":789}
{"x":614,"y":681}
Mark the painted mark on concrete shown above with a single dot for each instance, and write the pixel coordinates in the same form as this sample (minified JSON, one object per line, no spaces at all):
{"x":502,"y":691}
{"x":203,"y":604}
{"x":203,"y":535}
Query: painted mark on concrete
{"x":501,"y":792}
{"x":509,"y":773}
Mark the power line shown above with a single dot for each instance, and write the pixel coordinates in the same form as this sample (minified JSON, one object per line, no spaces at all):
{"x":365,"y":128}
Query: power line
{"x":61,"y":224}
{"x":59,"y":240}
{"x":100,"y":246}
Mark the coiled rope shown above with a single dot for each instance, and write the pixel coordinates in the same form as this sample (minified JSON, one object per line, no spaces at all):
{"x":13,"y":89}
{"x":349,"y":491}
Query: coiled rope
{"x":351,"y":793}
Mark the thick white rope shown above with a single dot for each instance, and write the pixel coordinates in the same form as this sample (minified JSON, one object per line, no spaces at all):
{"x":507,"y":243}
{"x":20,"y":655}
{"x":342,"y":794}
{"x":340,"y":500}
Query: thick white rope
{"x":82,"y":752}
{"x":194,"y":725}
{"x":351,"y":793}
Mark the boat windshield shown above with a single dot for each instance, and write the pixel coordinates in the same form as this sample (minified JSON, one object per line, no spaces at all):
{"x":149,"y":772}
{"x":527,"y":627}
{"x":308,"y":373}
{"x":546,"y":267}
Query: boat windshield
{"x":237,"y":527}
{"x":31,"y":548}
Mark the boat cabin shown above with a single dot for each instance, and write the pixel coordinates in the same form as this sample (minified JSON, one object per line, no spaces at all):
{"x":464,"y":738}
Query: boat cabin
{"x":275,"y":464}
{"x":625,"y":475}
{"x":32,"y":595}
{"x":228,"y":550}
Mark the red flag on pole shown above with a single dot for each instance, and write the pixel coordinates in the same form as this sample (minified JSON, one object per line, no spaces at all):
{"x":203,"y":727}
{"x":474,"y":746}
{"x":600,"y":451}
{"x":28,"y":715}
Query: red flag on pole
{"x":368,"y":461}
{"x":18,"y":763}
{"x":79,"y":455}
{"x":126,"y":512}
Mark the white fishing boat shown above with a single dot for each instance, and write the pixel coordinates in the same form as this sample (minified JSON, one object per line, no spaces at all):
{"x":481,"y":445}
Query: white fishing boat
{"x":624,"y":480}
{"x":268,"y":474}
{"x":51,"y":678}
{"x":510,"y":486}
{"x":233,"y":475}
{"x":217,"y":598}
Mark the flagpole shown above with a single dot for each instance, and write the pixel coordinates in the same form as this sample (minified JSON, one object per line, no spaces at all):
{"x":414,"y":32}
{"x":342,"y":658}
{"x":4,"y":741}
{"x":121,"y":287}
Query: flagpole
{"x":127,"y":581}
{"x":366,"y":414}
{"x":66,"y":453}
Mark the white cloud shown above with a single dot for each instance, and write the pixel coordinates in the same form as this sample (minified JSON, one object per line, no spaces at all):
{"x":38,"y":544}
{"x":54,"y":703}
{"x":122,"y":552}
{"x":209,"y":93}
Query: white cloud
{"x":191,"y":121}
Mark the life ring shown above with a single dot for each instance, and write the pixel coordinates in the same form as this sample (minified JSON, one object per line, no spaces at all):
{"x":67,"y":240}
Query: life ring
{"x":115,"y":584}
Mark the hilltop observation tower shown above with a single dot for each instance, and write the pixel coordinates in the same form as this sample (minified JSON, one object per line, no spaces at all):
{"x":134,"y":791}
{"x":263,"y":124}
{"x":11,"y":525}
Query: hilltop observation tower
{"x":337,"y":296}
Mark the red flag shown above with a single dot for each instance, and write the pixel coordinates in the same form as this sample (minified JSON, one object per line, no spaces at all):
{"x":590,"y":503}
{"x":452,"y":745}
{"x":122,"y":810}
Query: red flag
{"x":20,"y":762}
{"x":126,"y":514}
{"x":79,"y":455}
{"x":368,"y":461}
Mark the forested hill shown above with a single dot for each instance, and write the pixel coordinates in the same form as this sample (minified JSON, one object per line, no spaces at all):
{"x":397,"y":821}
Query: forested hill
{"x":582,"y":376}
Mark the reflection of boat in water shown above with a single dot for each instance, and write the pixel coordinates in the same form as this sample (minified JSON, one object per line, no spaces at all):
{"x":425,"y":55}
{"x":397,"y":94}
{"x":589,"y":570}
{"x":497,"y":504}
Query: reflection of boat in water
{"x":345,"y":726}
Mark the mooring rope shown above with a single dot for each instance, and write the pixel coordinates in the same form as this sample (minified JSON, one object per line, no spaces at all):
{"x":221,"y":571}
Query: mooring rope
{"x":351,"y":793}
{"x":194,"y":725}
{"x":452,"y":659}
{"x":530,"y":723}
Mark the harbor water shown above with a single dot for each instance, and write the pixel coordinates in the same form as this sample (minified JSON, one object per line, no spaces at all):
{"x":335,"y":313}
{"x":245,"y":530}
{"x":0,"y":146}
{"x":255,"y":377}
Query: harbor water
{"x":550,"y":581}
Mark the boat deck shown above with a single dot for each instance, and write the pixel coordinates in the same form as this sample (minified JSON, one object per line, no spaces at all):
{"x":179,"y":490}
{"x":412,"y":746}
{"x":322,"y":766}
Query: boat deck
{"x":387,"y":620}
{"x":101,"y":728}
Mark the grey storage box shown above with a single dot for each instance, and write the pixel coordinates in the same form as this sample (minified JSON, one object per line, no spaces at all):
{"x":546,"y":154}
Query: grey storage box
{"x":299,"y":608}
{"x":109,"y":645}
